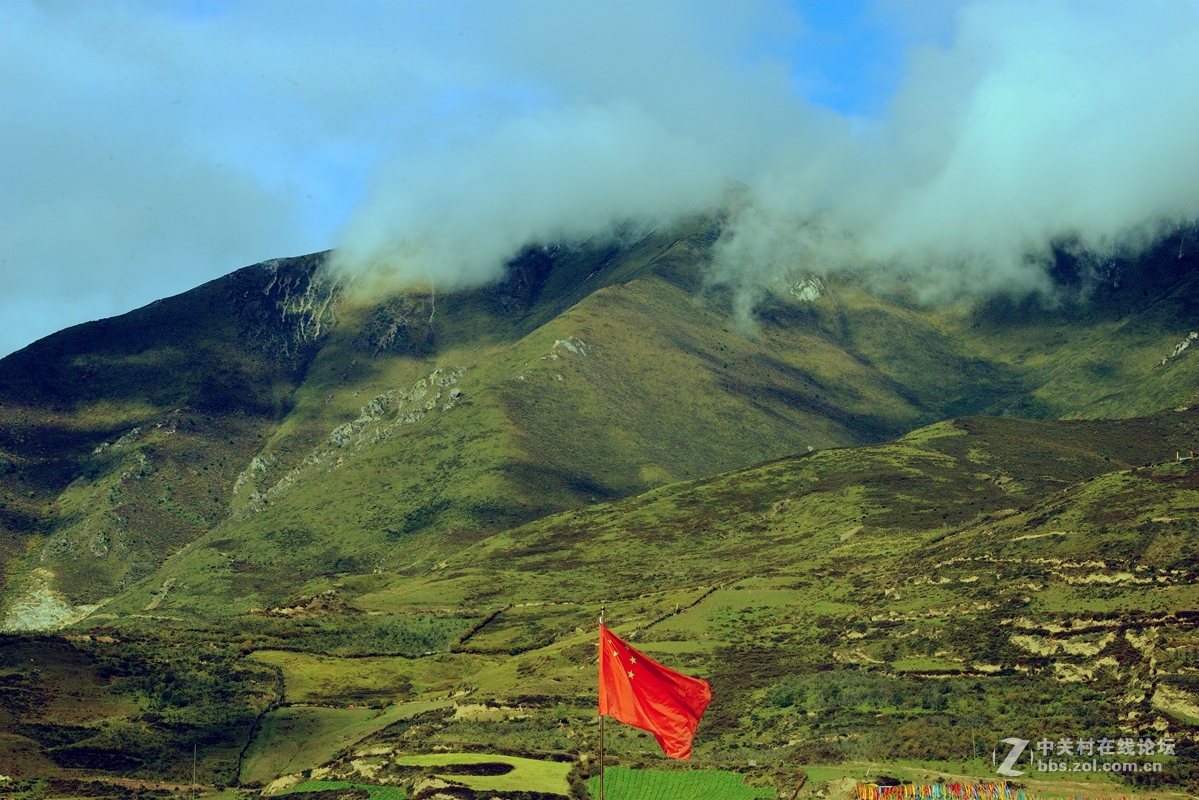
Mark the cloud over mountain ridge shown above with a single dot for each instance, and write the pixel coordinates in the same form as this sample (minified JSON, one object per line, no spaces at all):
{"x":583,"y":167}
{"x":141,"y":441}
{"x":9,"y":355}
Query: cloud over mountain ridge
{"x":1039,"y":122}
{"x":162,"y":147}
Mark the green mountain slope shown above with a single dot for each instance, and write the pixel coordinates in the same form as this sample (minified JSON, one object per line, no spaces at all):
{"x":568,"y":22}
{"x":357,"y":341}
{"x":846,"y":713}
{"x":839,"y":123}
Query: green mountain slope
{"x":278,"y":409}
{"x":921,"y":600}
{"x":119,"y":439}
{"x":912,"y":601}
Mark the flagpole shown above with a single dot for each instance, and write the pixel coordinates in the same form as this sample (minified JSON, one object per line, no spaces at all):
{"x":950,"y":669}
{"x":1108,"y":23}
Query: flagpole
{"x":601,"y":754}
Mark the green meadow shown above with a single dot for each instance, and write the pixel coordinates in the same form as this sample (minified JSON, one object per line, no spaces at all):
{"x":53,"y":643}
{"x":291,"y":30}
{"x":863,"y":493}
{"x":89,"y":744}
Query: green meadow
{"x":630,"y":784}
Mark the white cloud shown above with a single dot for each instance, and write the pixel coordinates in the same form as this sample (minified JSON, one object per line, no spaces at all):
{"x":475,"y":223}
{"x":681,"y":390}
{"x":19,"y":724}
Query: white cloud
{"x":1040,"y":120}
{"x":454,"y":217}
{"x":148,"y":148}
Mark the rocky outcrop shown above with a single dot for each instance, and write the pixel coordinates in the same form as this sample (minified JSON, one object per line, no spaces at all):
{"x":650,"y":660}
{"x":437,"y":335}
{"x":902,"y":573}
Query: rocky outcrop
{"x":285,"y":305}
{"x":378,"y":420}
{"x":568,"y":345}
{"x":327,"y":602}
{"x":39,"y":607}
{"x":808,"y":290}
{"x":1180,"y":348}
{"x":401,"y":325}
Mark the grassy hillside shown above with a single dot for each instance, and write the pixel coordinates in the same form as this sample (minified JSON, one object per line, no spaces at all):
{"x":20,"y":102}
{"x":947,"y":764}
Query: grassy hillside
{"x":120,"y":439}
{"x":919,"y":600}
{"x":95,"y":705}
{"x":424,"y":499}
{"x":904,"y":603}
{"x":424,"y":424}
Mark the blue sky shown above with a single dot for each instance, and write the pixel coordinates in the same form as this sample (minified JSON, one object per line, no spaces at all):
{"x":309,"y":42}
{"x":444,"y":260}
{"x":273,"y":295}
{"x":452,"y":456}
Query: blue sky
{"x":179,"y":141}
{"x":850,"y":58}
{"x":150,"y":146}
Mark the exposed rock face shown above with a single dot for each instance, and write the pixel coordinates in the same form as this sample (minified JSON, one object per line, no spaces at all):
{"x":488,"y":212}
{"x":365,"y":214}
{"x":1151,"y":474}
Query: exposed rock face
{"x":1181,"y":347}
{"x":325,"y":603}
{"x":401,"y":325}
{"x":569,"y":345}
{"x":285,"y":305}
{"x":808,"y":290}
{"x":379,"y":419}
{"x":38,"y":607}
{"x":425,"y":396}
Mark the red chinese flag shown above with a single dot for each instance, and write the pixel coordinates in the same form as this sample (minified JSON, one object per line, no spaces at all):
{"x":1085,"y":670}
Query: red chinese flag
{"x":640,"y":692}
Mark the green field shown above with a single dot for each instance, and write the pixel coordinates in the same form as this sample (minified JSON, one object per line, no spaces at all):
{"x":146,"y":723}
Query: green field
{"x":527,"y":775}
{"x":621,"y":783}
{"x":323,"y":679}
{"x":298,"y":738}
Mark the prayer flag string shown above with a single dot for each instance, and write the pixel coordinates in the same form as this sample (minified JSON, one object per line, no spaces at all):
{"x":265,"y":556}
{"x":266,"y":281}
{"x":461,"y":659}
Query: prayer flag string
{"x":950,"y":791}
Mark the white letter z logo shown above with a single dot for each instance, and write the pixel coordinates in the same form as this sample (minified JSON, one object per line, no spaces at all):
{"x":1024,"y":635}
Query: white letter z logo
{"x":1018,"y":746}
